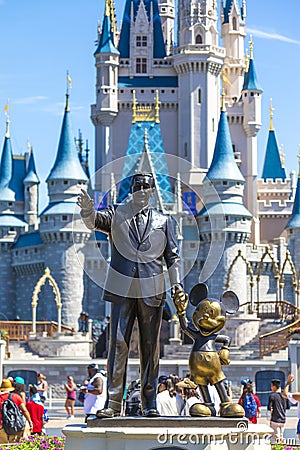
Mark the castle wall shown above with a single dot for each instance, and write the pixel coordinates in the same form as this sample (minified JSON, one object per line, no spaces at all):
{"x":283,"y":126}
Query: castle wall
{"x":7,"y":285}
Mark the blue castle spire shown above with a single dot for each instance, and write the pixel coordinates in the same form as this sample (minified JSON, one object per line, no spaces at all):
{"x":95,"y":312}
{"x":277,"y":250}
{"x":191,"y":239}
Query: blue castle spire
{"x":31,"y":175}
{"x":250,"y":77}
{"x":227,"y":7}
{"x":67,"y":165}
{"x":106,"y":42}
{"x":131,"y":7}
{"x":6,"y":168}
{"x":223,"y":165}
{"x":272,"y":165}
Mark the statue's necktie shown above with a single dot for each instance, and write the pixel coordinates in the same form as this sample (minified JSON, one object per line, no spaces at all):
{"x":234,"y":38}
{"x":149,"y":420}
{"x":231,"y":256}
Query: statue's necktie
{"x":141,"y":222}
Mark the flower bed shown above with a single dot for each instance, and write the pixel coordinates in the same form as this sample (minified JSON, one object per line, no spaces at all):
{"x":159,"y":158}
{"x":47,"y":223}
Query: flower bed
{"x":37,"y":443}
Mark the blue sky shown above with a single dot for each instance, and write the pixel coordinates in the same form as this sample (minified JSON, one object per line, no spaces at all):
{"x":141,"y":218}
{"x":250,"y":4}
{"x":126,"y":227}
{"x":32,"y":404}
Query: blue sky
{"x":41,"y":39}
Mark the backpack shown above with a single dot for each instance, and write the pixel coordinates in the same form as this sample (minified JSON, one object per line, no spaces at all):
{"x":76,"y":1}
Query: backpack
{"x":250,"y":406}
{"x":133,"y":403}
{"x":12,"y":419}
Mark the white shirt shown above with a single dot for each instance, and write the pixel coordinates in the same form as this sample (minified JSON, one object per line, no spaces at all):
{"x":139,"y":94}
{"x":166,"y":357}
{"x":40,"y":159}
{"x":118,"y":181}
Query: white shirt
{"x":167,"y":405}
{"x":92,"y":403}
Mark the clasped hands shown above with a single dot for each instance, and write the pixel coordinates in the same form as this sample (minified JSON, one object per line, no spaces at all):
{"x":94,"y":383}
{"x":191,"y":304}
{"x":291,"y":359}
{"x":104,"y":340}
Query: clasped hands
{"x":180,"y":300}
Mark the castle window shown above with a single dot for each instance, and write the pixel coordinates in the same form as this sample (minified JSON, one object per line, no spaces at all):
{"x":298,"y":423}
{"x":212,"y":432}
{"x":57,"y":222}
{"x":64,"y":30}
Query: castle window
{"x":52,"y":183}
{"x":234,"y":24}
{"x":11,"y":229}
{"x":199,"y":96}
{"x":10,"y":204}
{"x":141,"y":41}
{"x":66,"y":182}
{"x":213,"y":125}
{"x":199,"y":39}
{"x":224,"y":183}
{"x":64,"y":218}
{"x":28,"y":189}
{"x":185,"y":151}
{"x":141,"y":65}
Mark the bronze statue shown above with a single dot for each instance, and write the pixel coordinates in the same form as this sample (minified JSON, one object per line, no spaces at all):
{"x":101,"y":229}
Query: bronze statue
{"x":205,"y":361}
{"x":140,"y":238}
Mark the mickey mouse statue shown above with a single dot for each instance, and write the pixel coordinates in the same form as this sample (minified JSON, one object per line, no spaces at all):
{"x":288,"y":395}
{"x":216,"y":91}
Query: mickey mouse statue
{"x":205,"y":361}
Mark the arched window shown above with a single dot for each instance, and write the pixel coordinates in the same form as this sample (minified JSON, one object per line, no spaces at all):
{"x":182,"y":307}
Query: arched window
{"x":198,"y":39}
{"x":234,"y":25}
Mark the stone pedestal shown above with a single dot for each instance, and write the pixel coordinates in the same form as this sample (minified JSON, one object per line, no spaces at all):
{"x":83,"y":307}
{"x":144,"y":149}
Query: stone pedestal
{"x":166,"y":433}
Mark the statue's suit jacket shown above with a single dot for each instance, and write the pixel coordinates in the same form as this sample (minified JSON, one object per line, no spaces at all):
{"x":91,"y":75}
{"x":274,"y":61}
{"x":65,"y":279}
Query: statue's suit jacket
{"x":136,"y":259}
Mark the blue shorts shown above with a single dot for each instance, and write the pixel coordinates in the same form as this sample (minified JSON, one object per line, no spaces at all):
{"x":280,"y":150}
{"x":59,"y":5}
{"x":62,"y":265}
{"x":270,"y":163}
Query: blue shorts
{"x":298,"y":427}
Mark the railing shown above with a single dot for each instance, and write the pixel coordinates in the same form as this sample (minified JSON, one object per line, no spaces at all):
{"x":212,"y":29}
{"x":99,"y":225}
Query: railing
{"x":282,"y":310}
{"x":19,"y":330}
{"x":276,"y":340}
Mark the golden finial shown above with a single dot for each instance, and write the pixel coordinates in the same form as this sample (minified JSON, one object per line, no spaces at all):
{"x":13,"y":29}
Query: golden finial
{"x":28,"y":146}
{"x":157,"y":105}
{"x":107,"y":8}
{"x":251,"y":47}
{"x":223,"y":108}
{"x":134,"y":105}
{"x":67,"y":108}
{"x":271,"y":109}
{"x":282,"y":155}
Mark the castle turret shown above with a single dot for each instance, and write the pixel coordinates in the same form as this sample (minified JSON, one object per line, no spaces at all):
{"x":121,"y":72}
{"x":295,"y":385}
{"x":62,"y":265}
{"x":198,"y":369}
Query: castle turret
{"x":31,"y":193}
{"x":106,"y":108}
{"x":251,"y":97}
{"x":198,"y":62}
{"x":233,"y":35}
{"x":224,"y":222}
{"x":7,"y":195}
{"x":167,"y":14}
{"x":62,"y":231}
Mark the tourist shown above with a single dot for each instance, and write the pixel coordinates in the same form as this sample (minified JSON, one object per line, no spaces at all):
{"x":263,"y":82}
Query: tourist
{"x":250,"y":403}
{"x":7,"y":388}
{"x":42,"y":387}
{"x":19,"y":385}
{"x":294,"y":398}
{"x":94,"y":391}
{"x":70,"y":388}
{"x":278,"y":405}
{"x":36,"y":410}
{"x":167,"y":402}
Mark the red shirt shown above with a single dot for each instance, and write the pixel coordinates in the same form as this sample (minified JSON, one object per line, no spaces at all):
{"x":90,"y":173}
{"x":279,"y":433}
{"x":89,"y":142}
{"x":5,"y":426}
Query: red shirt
{"x":36,"y":413}
{"x":257,"y":401}
{"x":16,"y":398}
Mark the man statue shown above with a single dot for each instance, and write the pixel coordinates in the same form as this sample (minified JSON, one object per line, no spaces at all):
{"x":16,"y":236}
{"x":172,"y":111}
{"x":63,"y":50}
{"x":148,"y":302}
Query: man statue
{"x":140,"y":238}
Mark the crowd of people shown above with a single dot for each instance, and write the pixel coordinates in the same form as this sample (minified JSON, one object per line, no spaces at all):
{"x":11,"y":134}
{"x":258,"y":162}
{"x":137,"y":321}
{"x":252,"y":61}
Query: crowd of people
{"x":175,"y":397}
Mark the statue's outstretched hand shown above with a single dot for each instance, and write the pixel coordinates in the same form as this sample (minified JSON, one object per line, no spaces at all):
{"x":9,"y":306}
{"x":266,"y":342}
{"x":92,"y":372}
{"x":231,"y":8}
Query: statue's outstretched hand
{"x":224,"y":356}
{"x":84,"y":201}
{"x":180,"y":300}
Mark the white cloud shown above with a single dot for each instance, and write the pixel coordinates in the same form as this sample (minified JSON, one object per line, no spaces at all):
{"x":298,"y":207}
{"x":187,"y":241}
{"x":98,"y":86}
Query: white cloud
{"x":29,"y":100}
{"x":274,"y":36}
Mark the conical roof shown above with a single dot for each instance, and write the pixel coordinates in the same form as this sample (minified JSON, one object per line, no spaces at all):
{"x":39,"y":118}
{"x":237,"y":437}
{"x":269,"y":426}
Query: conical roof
{"x":6,"y":171}
{"x":67,"y":165}
{"x":31,"y":175}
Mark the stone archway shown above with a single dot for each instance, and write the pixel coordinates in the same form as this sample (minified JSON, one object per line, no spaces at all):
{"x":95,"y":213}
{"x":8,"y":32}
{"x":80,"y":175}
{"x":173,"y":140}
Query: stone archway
{"x":35,"y":298}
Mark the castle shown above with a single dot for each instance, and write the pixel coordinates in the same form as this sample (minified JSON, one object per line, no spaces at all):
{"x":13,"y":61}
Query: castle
{"x":159,"y":107}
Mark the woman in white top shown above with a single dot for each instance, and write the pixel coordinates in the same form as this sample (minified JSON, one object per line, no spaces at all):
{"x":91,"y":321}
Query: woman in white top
{"x":42,"y":387}
{"x":167,"y":401}
{"x":94,"y":391}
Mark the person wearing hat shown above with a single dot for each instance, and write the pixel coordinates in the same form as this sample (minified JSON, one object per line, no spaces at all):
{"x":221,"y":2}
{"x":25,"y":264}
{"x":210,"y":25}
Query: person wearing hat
{"x":94,"y":391}
{"x":19,"y":385}
{"x":5,"y":389}
{"x":141,"y":238}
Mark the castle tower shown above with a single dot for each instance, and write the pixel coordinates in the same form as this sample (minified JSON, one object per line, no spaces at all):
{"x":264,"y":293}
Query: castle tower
{"x":10,"y":227}
{"x":224,"y":222}
{"x":62,"y":231}
{"x":274,"y":190}
{"x":198,"y":62}
{"x":106,"y":107}
{"x":31,"y":193}
{"x":233,"y":34}
{"x":167,"y":15}
{"x":251,"y":97}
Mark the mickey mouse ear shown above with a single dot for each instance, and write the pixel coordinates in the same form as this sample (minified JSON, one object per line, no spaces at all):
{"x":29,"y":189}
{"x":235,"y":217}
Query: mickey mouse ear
{"x":230,"y":302}
{"x":198,"y":293}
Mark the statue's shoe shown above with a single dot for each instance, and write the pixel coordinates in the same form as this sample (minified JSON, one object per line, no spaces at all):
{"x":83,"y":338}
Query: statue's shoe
{"x":200,"y":410}
{"x":107,"y":413}
{"x":231,"y":410}
{"x":150,"y":412}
